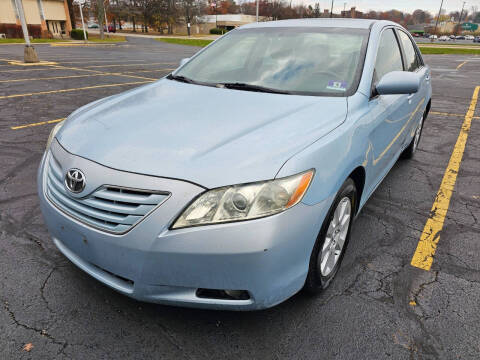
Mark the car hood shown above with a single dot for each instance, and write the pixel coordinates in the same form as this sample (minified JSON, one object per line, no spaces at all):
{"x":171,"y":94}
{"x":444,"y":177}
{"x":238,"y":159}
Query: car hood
{"x":206,"y":135}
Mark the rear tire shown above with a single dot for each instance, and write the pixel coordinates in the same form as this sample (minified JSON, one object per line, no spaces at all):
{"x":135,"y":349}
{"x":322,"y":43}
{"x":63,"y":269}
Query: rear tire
{"x":332,"y":240}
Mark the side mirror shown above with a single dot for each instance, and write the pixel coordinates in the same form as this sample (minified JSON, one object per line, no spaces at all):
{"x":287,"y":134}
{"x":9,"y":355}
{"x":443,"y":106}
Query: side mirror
{"x":183,"y":61}
{"x":398,"y":82}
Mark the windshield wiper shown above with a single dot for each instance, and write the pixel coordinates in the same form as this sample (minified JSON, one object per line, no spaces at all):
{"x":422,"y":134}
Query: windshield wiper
{"x":251,"y":87}
{"x":181,"y":78}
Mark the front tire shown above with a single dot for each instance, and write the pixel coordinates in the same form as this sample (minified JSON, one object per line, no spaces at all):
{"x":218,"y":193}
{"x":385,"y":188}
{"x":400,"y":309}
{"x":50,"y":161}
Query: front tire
{"x":332,"y":240}
{"x":410,"y":150}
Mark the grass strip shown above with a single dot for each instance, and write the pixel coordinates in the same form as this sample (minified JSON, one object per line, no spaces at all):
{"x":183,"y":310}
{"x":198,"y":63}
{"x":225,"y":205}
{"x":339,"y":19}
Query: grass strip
{"x":443,"y":51}
{"x":190,"y":42}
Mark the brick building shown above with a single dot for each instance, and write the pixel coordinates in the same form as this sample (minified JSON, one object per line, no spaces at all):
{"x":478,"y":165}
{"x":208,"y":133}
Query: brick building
{"x":45,"y":18}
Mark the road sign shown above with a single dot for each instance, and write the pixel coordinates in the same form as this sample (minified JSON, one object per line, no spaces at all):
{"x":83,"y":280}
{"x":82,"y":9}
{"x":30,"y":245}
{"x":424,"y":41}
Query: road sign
{"x":469,"y":27}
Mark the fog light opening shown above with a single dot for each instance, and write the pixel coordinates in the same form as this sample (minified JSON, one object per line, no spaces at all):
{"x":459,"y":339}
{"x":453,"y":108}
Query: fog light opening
{"x":223,"y":294}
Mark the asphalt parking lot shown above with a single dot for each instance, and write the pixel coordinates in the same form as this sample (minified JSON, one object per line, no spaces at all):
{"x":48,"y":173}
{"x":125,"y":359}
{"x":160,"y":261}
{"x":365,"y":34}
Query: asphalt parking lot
{"x":379,"y":306}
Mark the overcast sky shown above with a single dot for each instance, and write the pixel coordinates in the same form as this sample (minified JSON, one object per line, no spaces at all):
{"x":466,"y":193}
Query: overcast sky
{"x":403,"y":5}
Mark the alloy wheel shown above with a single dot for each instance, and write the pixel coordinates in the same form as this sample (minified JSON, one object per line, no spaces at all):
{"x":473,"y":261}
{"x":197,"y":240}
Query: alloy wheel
{"x":336,"y":235}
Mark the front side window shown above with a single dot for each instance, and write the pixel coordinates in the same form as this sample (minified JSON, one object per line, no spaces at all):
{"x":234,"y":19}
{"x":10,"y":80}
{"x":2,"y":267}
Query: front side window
{"x":412,"y":61}
{"x":307,"y":61}
{"x":389,"y":57}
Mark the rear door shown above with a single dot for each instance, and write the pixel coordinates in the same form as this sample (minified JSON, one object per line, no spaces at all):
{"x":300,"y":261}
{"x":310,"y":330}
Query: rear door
{"x":416,"y":102}
{"x":389,"y":112}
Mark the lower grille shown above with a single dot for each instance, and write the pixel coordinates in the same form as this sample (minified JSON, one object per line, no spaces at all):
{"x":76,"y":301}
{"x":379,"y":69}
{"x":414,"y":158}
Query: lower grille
{"x":109,"y":208}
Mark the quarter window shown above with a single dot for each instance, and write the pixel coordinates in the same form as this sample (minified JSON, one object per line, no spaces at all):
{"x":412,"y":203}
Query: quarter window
{"x":389,"y":57}
{"x":412,"y":61}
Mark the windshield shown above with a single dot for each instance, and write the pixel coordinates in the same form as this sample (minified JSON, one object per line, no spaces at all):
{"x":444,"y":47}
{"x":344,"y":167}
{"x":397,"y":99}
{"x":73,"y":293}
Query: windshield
{"x":307,"y":61}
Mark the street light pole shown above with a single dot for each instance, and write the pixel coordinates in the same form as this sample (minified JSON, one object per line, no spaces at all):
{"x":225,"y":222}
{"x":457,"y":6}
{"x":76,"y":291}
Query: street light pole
{"x":258,"y":1}
{"x":30,"y":55}
{"x":105,"y":13}
{"x":83,"y":23}
{"x":331,"y":10}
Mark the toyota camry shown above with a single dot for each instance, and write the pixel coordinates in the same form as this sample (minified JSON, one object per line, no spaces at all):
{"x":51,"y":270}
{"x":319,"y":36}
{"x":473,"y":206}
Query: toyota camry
{"x":233,"y":182}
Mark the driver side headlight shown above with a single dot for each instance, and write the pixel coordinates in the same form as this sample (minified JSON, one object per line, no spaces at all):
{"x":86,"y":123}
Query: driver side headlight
{"x":245,"y":202}
{"x":54,"y":132}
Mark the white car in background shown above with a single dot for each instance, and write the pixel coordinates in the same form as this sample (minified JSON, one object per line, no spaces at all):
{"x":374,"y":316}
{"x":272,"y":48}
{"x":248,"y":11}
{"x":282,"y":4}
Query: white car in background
{"x":469,"y":37}
{"x":433,"y":37}
{"x":443,"y":38}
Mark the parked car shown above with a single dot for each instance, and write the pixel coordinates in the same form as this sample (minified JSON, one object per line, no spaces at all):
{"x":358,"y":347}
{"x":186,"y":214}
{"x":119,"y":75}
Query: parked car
{"x":93,"y":26}
{"x":460,"y":37}
{"x":111,"y":29}
{"x":444,"y":38}
{"x":469,"y":37}
{"x":452,"y":37}
{"x":246,"y":193}
{"x":433,"y":37}
{"x":476,"y":39}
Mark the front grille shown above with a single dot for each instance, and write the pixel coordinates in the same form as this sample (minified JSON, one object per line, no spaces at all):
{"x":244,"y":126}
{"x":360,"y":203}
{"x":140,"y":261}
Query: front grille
{"x":109,"y":208}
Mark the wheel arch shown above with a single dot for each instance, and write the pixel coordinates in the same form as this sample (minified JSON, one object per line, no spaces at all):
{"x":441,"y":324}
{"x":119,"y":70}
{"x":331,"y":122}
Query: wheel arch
{"x":358,"y":176}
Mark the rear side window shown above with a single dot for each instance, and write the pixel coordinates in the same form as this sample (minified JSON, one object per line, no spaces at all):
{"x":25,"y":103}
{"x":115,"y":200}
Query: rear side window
{"x":412,"y":60}
{"x":389,"y":57}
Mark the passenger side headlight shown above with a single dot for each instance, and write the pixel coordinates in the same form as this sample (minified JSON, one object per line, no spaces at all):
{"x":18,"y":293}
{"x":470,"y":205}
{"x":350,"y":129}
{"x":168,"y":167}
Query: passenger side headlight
{"x":53,"y":133}
{"x":245,"y":202}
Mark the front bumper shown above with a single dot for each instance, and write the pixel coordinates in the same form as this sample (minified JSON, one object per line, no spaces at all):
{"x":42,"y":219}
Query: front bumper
{"x":266,"y":257}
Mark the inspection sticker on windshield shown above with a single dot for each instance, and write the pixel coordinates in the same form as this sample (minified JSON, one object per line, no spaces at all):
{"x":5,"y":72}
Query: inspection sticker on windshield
{"x":337,"y":85}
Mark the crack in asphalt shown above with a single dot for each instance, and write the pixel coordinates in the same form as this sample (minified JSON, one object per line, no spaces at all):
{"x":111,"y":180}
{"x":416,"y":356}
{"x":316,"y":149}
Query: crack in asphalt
{"x":42,"y":332}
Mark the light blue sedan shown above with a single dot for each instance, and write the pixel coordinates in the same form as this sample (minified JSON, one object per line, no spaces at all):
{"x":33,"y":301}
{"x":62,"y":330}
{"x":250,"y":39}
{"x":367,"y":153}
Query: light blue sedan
{"x":233,"y":182}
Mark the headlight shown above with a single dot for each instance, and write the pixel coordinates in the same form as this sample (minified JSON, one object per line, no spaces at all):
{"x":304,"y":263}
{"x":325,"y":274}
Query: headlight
{"x":53,"y":133}
{"x":245,"y":202}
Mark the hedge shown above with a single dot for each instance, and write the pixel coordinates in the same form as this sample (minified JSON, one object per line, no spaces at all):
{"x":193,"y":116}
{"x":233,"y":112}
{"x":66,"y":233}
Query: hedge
{"x":77,"y":34}
{"x":216,"y":31}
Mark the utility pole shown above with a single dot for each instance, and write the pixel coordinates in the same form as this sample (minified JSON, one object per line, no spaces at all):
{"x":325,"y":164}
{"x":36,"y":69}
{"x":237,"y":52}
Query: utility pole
{"x":461,"y":14}
{"x":438,"y":17}
{"x":258,"y":1}
{"x":331,"y":11}
{"x":30,"y":55}
{"x":344,"y":8}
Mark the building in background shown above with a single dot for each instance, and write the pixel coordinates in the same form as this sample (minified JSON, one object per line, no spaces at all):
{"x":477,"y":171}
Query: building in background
{"x":222,"y":21}
{"x":45,"y":18}
{"x":352,"y":13}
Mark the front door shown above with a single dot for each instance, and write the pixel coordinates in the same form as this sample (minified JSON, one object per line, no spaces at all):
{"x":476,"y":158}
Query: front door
{"x":390,"y":113}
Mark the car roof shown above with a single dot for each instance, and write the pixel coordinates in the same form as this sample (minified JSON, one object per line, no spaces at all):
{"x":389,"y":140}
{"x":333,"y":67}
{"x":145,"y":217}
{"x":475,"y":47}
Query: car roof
{"x":320,"y":22}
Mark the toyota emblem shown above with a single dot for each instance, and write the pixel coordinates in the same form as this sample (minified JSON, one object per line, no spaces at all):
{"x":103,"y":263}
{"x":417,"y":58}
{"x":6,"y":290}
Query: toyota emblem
{"x":75,"y":180}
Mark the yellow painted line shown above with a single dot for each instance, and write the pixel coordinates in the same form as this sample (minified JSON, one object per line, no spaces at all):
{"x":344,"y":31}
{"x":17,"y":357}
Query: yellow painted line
{"x":83,"y":44}
{"x":60,"y":67}
{"x":89,"y":60}
{"x":459,"y":66}
{"x":111,"y":65}
{"x":41,"y":63}
{"x":427,"y":245}
{"x":106,"y":73}
{"x":450,"y":114}
{"x":25,"y":70}
{"x":36,"y":124}
{"x":144,"y":71}
{"x":74,"y":89}
{"x":52,"y":78}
